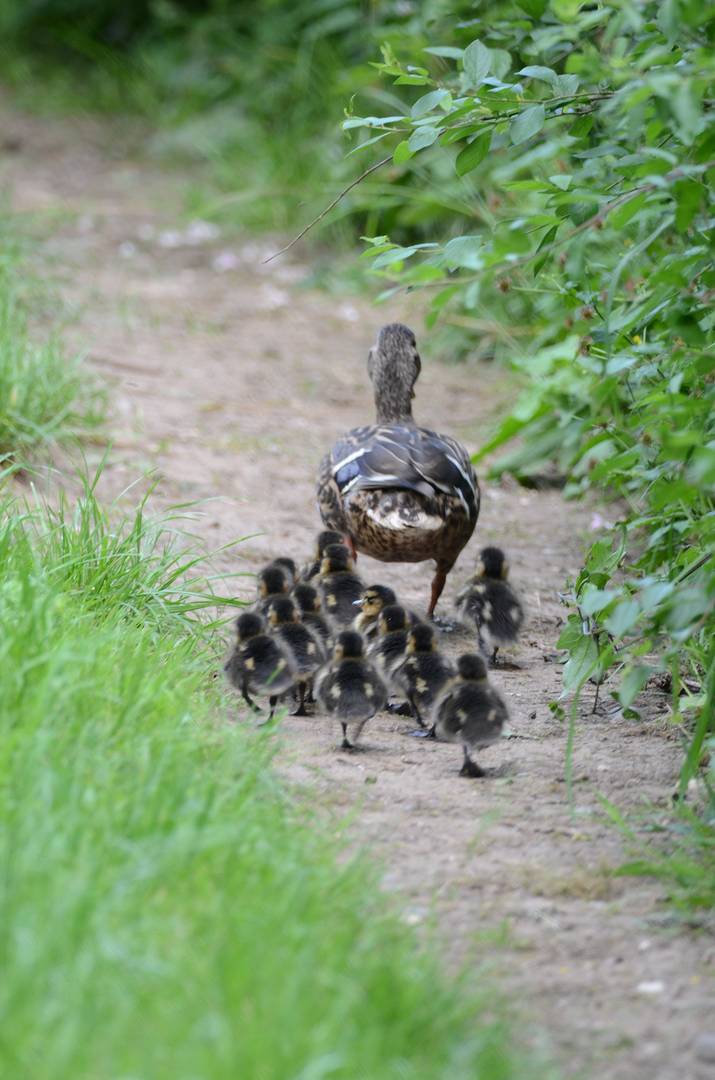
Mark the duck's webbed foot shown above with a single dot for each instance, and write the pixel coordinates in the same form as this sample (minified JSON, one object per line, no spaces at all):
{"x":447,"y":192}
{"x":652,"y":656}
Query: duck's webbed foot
{"x":470,"y":767}
{"x":399,"y":708}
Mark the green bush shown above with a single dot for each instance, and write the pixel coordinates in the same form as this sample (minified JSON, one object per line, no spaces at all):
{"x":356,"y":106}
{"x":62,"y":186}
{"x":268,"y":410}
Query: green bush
{"x":580,"y":144}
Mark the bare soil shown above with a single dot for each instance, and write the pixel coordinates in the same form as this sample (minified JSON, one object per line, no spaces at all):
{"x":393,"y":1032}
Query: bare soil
{"x":231,"y":379}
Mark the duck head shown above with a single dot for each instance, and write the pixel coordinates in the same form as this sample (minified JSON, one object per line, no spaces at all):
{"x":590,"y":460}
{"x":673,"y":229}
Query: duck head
{"x":394,"y":366}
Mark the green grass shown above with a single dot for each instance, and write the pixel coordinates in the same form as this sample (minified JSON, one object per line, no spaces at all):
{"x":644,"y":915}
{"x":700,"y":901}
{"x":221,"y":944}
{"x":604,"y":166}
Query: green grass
{"x":679,"y":853}
{"x":167,"y":911}
{"x":45,"y":396}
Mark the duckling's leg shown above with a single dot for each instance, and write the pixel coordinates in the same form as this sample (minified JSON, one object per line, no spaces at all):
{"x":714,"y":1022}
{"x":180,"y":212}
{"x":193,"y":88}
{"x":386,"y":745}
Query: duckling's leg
{"x":300,"y":711}
{"x":470,"y":768}
{"x":493,"y":660}
{"x":345,"y":744}
{"x":247,"y":698}
{"x":272,"y":702}
{"x":422,"y":732}
{"x":350,"y":545}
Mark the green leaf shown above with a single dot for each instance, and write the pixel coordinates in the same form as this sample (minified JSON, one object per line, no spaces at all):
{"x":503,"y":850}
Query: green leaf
{"x":402,"y":153}
{"x":561,"y":180}
{"x":445,"y":50}
{"x":594,"y":600}
{"x":623,"y":617}
{"x":582,"y":663}
{"x":634,"y":679}
{"x":536,"y":71}
{"x":464,"y":251}
{"x":547,"y":238}
{"x":422,"y":137}
{"x":500,"y":63}
{"x":527,"y":124}
{"x":533,"y":8}
{"x":565,"y":84}
{"x":428,"y":102}
{"x":473,"y":154}
{"x":623,"y":214}
{"x":477,"y":59}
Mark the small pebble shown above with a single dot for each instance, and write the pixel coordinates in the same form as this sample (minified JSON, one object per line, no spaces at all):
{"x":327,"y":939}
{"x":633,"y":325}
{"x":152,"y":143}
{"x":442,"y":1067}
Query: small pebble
{"x":651,"y":988}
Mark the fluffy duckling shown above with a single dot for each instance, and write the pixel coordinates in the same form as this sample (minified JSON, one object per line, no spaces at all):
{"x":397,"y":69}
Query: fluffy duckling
{"x":305,"y":648}
{"x":287,"y":565}
{"x":308,"y":602}
{"x":470,"y":711}
{"x":259,"y":664}
{"x":349,"y":687}
{"x":389,"y":649}
{"x":272,"y":583}
{"x":489,"y":602}
{"x":374,"y":598}
{"x":323,"y":539}
{"x":423,"y":673}
{"x":338,"y":585}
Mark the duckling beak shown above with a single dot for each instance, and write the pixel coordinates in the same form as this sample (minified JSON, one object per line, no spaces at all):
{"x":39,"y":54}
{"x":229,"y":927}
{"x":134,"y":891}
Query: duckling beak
{"x":358,"y":603}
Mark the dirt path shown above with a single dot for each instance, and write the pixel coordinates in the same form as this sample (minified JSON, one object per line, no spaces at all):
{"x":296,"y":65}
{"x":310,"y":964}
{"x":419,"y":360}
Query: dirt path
{"x":231,"y":380}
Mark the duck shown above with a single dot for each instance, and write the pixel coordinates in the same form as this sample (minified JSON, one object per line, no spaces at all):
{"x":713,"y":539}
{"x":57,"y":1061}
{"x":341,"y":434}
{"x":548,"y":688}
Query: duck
{"x":388,"y":650}
{"x":422,"y":674}
{"x":259,"y":664}
{"x":307,"y":601}
{"x":272,"y":583}
{"x":469,"y":710}
{"x":323,"y":539}
{"x":304,"y":646}
{"x":339,"y":586}
{"x":396,"y":491}
{"x":349,"y":687}
{"x":288,"y":566}
{"x":374,"y":598}
{"x":490,"y":603}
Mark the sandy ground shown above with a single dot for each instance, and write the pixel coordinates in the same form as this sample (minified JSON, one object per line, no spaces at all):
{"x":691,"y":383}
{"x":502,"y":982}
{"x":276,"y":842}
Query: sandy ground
{"x":230,"y":379}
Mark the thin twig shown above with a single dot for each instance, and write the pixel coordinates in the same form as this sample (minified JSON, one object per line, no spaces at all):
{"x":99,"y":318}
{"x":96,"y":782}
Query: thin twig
{"x":336,"y":200}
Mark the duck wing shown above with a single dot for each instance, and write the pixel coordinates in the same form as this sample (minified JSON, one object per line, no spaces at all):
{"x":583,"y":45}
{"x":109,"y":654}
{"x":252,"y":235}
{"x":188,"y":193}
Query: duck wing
{"x":405,"y":457}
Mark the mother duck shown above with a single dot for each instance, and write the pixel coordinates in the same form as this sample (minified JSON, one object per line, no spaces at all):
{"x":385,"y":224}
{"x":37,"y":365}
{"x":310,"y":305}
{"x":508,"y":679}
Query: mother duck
{"x":399,"y":492}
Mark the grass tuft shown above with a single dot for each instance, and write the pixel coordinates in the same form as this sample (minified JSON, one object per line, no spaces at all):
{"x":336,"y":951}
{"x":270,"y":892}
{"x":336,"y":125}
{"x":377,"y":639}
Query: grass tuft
{"x":45,"y":396}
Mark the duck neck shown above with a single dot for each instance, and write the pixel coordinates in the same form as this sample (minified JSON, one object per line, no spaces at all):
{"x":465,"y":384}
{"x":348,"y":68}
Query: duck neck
{"x":393,"y":404}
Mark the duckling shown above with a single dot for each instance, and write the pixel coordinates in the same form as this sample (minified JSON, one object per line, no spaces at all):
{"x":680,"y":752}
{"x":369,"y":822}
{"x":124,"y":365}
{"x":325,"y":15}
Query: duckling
{"x":287,"y":565}
{"x":470,"y":711}
{"x":422,"y":674}
{"x":338,"y":585}
{"x":374,"y":598}
{"x":308,"y":602}
{"x":272,"y":583}
{"x":324,"y":538}
{"x":488,"y":601}
{"x":259,"y":664}
{"x":396,"y":491}
{"x":304,"y":646}
{"x":388,"y":650}
{"x":349,"y":687}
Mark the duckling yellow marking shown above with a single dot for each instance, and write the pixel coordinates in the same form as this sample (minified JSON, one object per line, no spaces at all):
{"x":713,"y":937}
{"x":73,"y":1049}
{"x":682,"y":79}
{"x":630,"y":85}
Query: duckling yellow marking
{"x":369,"y":691}
{"x":335,"y":692}
{"x":311,"y":648}
{"x":487,"y":613}
{"x":492,"y":715}
{"x":421,"y":686}
{"x":514,"y":612}
{"x":461,"y":715}
{"x":279,"y":666}
{"x":250,"y":663}
{"x":480,"y":589}
{"x":332,"y":601}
